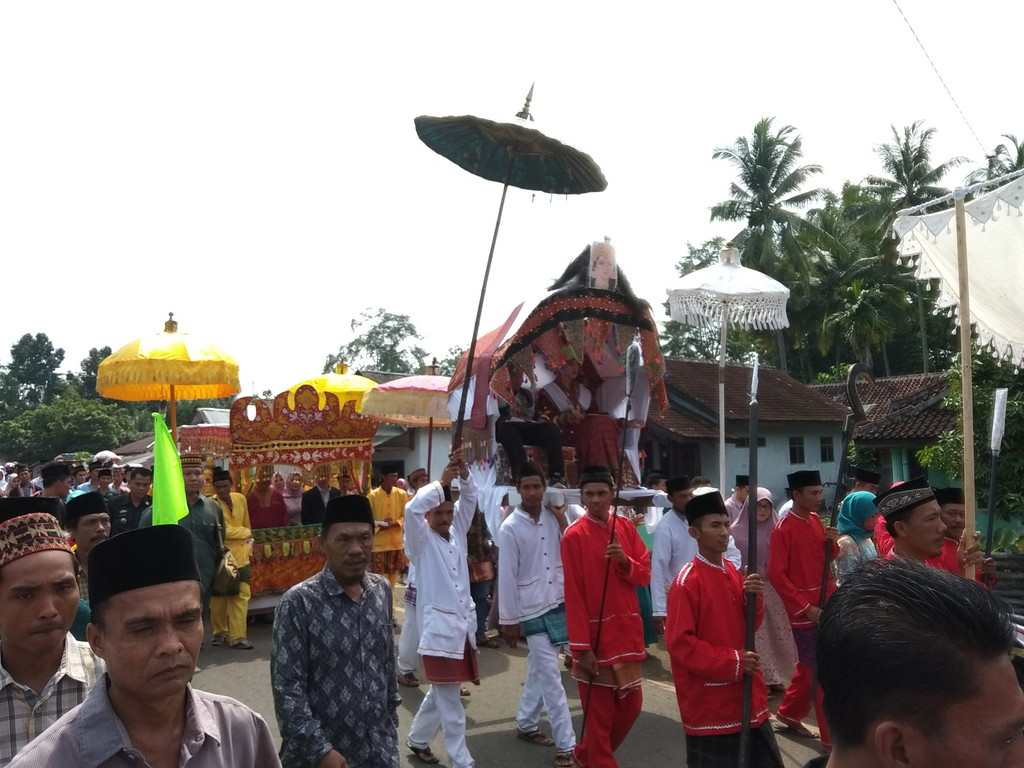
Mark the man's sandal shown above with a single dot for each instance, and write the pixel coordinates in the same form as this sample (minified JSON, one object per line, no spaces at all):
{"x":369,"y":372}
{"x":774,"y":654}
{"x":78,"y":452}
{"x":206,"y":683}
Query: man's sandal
{"x":423,"y":755}
{"x":794,"y":728}
{"x":535,"y":737}
{"x":408,"y":679}
{"x":564,"y":760}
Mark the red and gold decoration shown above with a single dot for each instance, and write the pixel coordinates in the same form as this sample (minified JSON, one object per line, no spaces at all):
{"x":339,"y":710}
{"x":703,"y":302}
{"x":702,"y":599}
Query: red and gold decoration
{"x":283,"y":557}
{"x":315,"y":430}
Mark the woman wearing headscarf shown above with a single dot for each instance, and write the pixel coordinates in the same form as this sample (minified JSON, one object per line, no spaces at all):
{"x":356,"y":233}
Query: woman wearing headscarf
{"x":774,"y":638}
{"x":857,"y":518}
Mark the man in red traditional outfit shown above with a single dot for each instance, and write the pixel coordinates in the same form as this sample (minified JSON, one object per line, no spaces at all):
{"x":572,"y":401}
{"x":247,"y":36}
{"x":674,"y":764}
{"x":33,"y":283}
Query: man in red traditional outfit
{"x":706,"y":635}
{"x":606,"y":665}
{"x":796,"y":564}
{"x":957,"y":554}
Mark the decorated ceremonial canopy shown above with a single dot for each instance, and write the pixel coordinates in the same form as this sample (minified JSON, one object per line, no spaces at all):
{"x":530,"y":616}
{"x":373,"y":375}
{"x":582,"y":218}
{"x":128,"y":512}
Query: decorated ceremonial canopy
{"x":980,"y":272}
{"x":514,"y":153}
{"x":723,"y":293}
{"x":168,"y":366}
{"x":300,"y":428}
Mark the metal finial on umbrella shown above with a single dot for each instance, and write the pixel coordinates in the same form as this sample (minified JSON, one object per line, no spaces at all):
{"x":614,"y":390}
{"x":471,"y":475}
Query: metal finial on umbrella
{"x":524,"y":114}
{"x":170,"y":324}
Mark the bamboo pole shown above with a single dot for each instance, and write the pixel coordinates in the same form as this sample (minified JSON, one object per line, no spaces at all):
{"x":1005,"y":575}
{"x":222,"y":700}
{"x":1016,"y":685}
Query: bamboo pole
{"x":966,"y":374}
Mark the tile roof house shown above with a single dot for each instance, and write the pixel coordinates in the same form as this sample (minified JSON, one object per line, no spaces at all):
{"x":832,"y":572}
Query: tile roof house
{"x":905,"y":414}
{"x":798,"y":427}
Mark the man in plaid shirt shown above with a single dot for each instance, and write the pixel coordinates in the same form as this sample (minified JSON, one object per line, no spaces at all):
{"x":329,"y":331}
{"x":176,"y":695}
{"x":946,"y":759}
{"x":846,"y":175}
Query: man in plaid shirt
{"x":44,"y":671}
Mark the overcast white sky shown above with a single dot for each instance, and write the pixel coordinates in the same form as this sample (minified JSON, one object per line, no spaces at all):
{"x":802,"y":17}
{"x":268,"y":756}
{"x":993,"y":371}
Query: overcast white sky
{"x":253,"y":167}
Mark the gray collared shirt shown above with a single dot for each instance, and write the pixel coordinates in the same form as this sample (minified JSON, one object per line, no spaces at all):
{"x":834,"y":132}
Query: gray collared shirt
{"x":219,"y":733}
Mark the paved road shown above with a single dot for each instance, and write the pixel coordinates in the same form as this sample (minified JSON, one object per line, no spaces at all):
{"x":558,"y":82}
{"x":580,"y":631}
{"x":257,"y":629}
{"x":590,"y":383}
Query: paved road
{"x":656,"y":738}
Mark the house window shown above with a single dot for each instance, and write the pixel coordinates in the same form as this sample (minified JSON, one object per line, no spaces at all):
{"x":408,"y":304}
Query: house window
{"x":796,"y":451}
{"x":744,"y":442}
{"x":828,"y":451}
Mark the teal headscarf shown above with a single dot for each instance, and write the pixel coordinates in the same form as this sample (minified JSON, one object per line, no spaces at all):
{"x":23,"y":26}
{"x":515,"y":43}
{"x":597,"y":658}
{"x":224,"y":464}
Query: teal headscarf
{"x":856,"y":509}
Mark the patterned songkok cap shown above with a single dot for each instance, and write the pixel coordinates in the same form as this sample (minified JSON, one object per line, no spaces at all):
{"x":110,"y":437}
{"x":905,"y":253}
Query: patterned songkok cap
{"x":191,"y":460}
{"x":26,"y":529}
{"x":900,"y":499}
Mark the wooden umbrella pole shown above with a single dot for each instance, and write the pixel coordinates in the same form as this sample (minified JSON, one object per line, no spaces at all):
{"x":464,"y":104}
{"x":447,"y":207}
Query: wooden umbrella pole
{"x":470,"y":357}
{"x":966,"y":374}
{"x":174,"y":417}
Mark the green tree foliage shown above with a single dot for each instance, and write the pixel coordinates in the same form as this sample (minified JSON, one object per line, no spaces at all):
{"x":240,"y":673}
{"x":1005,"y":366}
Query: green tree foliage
{"x":32,"y":376}
{"x":447,"y":365}
{"x":766,"y":197}
{"x":1005,"y":158}
{"x":383,"y":342}
{"x":947,"y":455}
{"x":66,"y":425}
{"x":85,"y":380}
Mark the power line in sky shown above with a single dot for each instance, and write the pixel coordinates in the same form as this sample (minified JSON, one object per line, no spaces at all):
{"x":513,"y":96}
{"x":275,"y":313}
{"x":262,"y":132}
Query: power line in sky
{"x":938,"y":75}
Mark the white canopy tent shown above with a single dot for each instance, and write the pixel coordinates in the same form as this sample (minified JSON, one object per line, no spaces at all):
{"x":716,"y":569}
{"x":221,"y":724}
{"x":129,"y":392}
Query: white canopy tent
{"x":980,"y":272}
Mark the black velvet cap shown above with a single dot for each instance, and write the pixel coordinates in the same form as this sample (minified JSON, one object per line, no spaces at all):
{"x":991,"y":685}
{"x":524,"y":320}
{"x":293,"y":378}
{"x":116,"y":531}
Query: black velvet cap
{"x":866,"y":476}
{"x":220,"y":474}
{"x":144,"y":557}
{"x":348,"y":509}
{"x":16,"y":506}
{"x":949,"y":495}
{"x":897,"y":502}
{"x":596,"y":474}
{"x":709,"y":503}
{"x":677,"y":483}
{"x":95,"y":465}
{"x":530,"y":469}
{"x":91,"y":503}
{"x":803,"y":478}
{"x":742,"y":481}
{"x":55,"y":470}
{"x":105,"y":472}
{"x":389,"y":469}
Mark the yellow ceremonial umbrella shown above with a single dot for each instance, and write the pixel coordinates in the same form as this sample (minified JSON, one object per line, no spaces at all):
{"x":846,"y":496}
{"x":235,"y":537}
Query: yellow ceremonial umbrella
{"x":347,"y":386}
{"x":168,"y":366}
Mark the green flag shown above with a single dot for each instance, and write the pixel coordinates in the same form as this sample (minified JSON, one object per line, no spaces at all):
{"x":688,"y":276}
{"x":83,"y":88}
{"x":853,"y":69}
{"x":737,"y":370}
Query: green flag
{"x":169,"y":504}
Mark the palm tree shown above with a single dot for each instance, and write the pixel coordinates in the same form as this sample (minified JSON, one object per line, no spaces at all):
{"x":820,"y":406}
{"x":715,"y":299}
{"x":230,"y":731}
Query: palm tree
{"x":844,"y":250}
{"x":1003,"y":160}
{"x":764,"y":198}
{"x":912,"y":180}
{"x":863,"y":318}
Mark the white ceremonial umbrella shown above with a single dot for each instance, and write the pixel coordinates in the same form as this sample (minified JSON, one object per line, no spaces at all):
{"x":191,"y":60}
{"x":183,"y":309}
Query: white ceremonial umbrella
{"x":722,"y":293}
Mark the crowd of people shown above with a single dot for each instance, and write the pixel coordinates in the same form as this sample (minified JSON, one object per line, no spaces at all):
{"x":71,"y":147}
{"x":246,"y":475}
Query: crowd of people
{"x":101,"y":621}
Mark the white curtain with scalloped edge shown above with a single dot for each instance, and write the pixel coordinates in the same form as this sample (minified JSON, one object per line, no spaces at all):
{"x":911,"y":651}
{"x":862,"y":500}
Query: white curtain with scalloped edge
{"x":995,"y":259}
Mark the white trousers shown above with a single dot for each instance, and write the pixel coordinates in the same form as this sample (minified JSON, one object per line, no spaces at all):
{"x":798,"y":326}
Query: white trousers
{"x":442,"y":710}
{"x":409,"y":641}
{"x":544,"y":687}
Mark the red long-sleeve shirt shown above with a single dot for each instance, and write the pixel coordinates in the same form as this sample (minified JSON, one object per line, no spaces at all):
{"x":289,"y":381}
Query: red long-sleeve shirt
{"x":705,"y":633}
{"x":796,"y":563}
{"x":583,"y":564}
